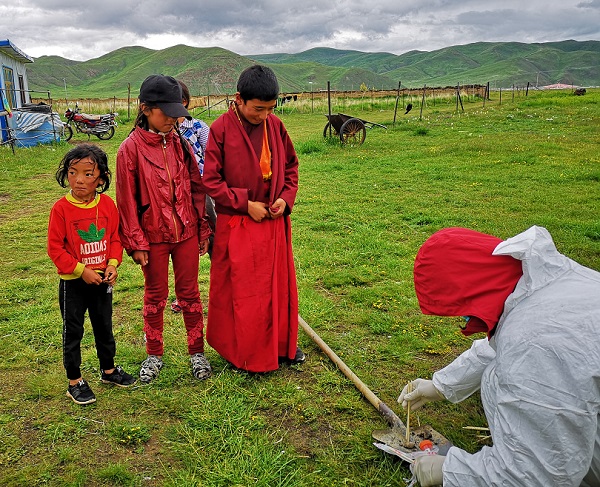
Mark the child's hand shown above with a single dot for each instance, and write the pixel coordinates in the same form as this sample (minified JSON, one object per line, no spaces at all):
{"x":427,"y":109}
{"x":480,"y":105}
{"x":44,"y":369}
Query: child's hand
{"x":91,"y":277}
{"x":110,"y":275}
{"x":278,"y":208}
{"x":140,"y":257}
{"x":204,"y":246}
{"x":257,"y":211}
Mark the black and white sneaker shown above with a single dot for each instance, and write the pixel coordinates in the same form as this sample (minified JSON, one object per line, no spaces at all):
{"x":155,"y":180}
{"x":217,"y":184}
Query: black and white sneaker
{"x":201,"y":368}
{"x":118,"y":377}
{"x":81,"y":393}
{"x":150,"y":368}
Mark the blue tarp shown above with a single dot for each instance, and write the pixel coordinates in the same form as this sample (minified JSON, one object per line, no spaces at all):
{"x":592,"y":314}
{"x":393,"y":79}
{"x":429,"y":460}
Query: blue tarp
{"x":33,"y":128}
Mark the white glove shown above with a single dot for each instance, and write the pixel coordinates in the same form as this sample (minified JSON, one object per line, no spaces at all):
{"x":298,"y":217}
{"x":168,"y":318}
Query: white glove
{"x":428,"y":470}
{"x":423,"y":391}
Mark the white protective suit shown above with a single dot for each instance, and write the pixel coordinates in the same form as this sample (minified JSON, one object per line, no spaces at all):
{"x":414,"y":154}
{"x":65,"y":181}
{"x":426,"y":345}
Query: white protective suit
{"x":539,"y":377}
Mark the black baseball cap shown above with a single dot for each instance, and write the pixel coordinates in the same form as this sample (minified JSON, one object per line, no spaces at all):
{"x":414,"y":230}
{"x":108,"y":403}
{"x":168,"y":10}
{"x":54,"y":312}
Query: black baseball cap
{"x":165,"y":93}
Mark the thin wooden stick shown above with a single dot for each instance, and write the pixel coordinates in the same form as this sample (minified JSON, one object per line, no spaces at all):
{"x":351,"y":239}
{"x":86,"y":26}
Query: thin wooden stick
{"x":408,"y":415}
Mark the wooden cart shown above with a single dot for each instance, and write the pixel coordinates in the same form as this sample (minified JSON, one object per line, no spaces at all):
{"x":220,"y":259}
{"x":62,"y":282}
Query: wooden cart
{"x":351,"y":130}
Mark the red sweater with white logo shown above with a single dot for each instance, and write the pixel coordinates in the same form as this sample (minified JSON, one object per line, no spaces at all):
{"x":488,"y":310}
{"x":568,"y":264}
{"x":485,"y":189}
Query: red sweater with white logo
{"x":84,"y":235}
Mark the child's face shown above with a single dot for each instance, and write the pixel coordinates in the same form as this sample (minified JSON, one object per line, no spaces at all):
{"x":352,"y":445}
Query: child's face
{"x":254,"y":111}
{"x":158,"y":121}
{"x":84,"y":178}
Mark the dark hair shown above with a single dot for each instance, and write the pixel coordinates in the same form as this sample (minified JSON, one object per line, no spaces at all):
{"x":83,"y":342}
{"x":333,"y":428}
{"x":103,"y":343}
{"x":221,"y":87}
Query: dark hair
{"x":185,"y":93}
{"x":141,"y":120}
{"x":81,"y":151}
{"x":258,"y":82}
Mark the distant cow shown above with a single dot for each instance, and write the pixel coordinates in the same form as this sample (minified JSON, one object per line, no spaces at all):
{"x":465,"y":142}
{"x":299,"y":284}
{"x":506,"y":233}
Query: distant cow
{"x":579,"y":91}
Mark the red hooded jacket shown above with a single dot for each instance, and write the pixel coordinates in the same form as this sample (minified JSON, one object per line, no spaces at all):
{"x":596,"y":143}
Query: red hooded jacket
{"x":160,"y":195}
{"x":456,"y":275}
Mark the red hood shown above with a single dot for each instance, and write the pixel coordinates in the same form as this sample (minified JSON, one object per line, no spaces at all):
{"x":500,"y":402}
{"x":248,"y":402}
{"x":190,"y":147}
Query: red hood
{"x":457,"y":275}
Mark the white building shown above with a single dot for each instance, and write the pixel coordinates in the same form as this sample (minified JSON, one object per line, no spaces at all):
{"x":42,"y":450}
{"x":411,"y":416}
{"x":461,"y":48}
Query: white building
{"x":13,"y":78}
{"x":22,"y":124}
{"x":13,"y":83}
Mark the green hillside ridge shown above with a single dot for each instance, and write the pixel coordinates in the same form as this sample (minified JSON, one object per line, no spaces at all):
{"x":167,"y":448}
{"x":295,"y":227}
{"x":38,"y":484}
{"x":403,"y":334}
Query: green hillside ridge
{"x":215,"y":70}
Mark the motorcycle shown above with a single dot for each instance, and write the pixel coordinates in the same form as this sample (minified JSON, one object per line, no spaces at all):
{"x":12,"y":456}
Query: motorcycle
{"x":102,"y":126}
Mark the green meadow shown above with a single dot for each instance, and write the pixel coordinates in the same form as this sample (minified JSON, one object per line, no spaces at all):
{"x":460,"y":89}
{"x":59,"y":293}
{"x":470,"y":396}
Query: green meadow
{"x":360,"y":217}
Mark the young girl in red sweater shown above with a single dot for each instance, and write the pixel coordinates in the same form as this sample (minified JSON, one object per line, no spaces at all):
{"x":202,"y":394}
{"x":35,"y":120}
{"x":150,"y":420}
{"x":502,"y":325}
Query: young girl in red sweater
{"x":83,"y":243}
{"x":161,"y":207}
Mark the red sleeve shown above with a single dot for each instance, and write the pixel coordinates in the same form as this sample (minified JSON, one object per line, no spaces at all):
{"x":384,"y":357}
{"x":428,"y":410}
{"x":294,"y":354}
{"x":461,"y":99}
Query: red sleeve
{"x":290,"y":185}
{"x":198,"y":191}
{"x":57,"y":241}
{"x":116,"y":248}
{"x":131,"y":234}
{"x":234,"y":198}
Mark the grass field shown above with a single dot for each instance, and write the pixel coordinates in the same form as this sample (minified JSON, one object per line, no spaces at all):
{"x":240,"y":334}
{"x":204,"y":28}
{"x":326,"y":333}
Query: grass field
{"x":360,"y":217}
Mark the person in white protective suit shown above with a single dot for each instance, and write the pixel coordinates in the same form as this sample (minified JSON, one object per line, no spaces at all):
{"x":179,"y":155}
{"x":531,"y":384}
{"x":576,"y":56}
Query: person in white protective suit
{"x":538,"y":371}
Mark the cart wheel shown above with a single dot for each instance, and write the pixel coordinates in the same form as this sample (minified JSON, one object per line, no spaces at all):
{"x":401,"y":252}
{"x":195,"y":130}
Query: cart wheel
{"x":326,"y":130}
{"x":106,"y":135}
{"x":67,"y":132}
{"x":353,"y":132}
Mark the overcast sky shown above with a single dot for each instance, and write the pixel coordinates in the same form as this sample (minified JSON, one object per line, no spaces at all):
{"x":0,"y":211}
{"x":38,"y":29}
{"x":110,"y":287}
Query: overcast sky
{"x":82,"y":30}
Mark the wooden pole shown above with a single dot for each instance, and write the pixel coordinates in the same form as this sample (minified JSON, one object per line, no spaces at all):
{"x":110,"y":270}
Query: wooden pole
{"x":329,"y":104}
{"x":397,"y":98}
{"x":409,"y":389}
{"x":128,"y":102}
{"x":457,"y":94}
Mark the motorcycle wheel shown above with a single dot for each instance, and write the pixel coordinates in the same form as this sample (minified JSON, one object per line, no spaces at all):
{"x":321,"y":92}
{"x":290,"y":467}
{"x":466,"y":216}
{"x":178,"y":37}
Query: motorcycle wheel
{"x":67,"y":132}
{"x":106,"y":135}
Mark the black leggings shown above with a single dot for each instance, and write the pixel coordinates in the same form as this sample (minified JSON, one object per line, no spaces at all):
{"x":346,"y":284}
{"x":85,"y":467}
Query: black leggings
{"x":75,"y":297}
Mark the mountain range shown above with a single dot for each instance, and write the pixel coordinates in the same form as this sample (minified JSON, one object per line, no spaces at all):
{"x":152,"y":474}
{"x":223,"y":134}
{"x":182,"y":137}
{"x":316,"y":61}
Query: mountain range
{"x":215,"y":70}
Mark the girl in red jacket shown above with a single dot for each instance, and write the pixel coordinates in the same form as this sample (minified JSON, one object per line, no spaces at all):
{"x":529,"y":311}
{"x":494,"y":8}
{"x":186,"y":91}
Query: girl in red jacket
{"x":161,"y":206}
{"x":83,"y":243}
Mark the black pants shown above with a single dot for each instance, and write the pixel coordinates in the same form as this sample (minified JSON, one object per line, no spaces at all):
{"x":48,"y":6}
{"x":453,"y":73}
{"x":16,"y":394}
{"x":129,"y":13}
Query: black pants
{"x":75,"y":297}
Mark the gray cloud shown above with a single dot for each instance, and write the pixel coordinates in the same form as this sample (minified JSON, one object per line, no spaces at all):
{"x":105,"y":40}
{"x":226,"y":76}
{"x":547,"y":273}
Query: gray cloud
{"x":83,"y":31}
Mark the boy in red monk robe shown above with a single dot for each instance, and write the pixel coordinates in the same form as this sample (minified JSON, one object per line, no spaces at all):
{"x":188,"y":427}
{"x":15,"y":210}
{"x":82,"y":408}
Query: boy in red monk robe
{"x":251,"y":171}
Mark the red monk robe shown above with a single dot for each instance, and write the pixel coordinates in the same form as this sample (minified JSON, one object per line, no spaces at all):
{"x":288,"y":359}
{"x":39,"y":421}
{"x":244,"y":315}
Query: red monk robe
{"x":253,"y":298}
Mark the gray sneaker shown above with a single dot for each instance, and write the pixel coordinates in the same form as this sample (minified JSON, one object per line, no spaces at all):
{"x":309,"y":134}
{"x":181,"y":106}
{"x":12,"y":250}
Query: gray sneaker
{"x":201,"y":368}
{"x":150,"y":368}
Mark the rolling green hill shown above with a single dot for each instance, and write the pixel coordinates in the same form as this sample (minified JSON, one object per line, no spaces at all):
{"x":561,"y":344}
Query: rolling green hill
{"x":215,"y":70}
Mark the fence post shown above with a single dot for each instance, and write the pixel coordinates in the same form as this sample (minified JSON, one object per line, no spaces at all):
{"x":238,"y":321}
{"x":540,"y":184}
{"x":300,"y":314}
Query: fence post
{"x":422,"y":102}
{"x":458,"y":98}
{"x":457,"y":94}
{"x":397,"y":98}
{"x":329,"y":104}
{"x":128,"y":102}
{"x":51,"y":118}
{"x":486,"y":93}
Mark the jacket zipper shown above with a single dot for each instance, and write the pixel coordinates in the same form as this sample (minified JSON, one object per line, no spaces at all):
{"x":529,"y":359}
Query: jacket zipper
{"x":171,"y":189}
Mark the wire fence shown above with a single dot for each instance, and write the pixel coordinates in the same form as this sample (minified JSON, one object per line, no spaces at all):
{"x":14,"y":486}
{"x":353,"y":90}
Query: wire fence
{"x":209,"y":106}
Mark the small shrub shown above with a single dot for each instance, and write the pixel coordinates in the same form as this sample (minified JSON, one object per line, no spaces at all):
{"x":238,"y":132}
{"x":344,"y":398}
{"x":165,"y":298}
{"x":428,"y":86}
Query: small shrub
{"x":309,"y":147}
{"x":117,"y":474}
{"x":130,"y":435}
